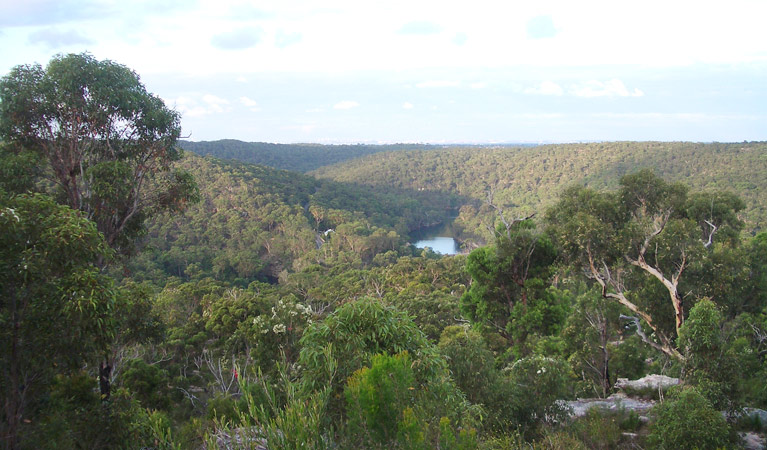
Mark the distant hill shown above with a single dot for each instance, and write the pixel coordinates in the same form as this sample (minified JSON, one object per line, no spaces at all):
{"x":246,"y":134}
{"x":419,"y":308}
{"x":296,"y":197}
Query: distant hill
{"x":294,"y":157}
{"x":527,"y":179}
{"x":253,"y":222}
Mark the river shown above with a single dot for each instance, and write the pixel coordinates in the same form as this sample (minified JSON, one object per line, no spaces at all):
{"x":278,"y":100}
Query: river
{"x":439,"y":238}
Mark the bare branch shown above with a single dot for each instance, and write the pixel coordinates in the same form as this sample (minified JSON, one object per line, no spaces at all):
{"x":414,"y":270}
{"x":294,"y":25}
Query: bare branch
{"x":710,"y":240}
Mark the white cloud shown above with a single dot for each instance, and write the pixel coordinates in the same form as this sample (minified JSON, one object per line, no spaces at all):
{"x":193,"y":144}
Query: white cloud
{"x":237,"y":39}
{"x":438,"y":84}
{"x":407,"y":105}
{"x":54,"y":38}
{"x":420,"y":28}
{"x":546,"y":88}
{"x":478,"y":85}
{"x":346,"y":104}
{"x":611,"y":88}
{"x":250,"y":103}
{"x":199,"y":105}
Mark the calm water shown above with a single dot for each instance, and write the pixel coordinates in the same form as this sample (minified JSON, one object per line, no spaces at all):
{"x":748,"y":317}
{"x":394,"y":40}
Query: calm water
{"x":440,"y":244}
{"x":438,"y":238}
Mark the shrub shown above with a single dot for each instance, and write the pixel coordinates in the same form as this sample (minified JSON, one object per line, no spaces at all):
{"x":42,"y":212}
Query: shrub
{"x":689,"y":421}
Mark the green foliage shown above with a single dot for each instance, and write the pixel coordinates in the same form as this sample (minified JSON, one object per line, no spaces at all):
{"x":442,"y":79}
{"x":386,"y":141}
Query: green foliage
{"x":541,"y":173}
{"x":18,"y":169}
{"x":148,"y":384}
{"x":537,"y":384}
{"x":107,"y":141}
{"x":75,"y":417}
{"x":357,"y":331}
{"x":471,"y":364}
{"x":58,"y":309}
{"x":282,"y":414}
{"x":387,"y":408}
{"x":509,"y":292}
{"x":709,"y":365}
{"x":376,"y":399}
{"x":588,"y":334}
{"x":598,"y":430}
{"x":689,"y":421}
{"x":294,"y":157}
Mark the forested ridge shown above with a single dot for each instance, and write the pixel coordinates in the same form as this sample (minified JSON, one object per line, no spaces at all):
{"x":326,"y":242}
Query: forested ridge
{"x":254,"y":222}
{"x":294,"y":157}
{"x":529,"y":179}
{"x":155,"y":299}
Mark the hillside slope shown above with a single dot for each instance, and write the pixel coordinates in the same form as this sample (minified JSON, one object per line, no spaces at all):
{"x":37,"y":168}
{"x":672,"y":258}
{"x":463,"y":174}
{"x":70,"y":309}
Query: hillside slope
{"x":254,"y":222}
{"x":293,"y":157}
{"x":527,"y":179}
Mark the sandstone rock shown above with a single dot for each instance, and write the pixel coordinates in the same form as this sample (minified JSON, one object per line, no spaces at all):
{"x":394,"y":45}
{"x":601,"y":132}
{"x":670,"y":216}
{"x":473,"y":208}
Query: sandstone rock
{"x":650,"y":382}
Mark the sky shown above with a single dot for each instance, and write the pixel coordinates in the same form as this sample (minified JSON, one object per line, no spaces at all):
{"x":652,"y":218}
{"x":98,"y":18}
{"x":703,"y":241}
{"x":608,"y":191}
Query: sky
{"x":367,"y":71}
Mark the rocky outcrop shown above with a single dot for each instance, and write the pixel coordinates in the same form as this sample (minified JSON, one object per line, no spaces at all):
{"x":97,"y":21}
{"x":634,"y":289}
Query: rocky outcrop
{"x":648,"y":383}
{"x":615,"y":402}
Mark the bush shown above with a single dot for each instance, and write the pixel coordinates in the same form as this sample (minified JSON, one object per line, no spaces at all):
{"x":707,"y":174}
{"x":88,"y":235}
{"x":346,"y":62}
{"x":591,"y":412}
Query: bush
{"x":537,"y":384}
{"x":689,"y":421}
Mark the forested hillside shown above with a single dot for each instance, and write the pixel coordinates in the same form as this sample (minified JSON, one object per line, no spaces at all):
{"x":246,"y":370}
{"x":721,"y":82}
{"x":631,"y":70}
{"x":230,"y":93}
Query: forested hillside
{"x":526,"y":180}
{"x":151,"y":299}
{"x":254,"y":222}
{"x":295,"y":157}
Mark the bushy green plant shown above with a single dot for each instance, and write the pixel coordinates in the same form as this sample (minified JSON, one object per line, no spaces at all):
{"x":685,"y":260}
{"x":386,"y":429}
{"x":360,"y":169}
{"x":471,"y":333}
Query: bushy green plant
{"x":279,"y":412}
{"x":148,"y":383}
{"x":387,"y":408}
{"x":689,"y":421}
{"x":76,"y":417}
{"x":538,"y":383}
{"x":598,"y":429}
{"x":709,"y":365}
{"x":377,"y":395}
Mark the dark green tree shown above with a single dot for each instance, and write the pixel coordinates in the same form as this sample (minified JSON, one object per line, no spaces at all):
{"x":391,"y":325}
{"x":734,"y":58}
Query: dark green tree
{"x":107,"y":142}
{"x":509,"y":278}
{"x":641,"y":241}
{"x":56,"y":307}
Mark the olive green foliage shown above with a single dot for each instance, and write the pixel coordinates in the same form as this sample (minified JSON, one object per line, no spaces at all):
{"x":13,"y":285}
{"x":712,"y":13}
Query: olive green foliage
{"x":471,"y":364}
{"x":509,"y":290}
{"x":648,"y":241}
{"x":376,"y":398}
{"x":537,"y":385}
{"x":283,"y":414}
{"x":18,"y":170}
{"x":147,"y":383}
{"x":589,"y":333}
{"x":357,"y":331}
{"x":532,"y":178}
{"x":293,"y":157}
{"x":385,"y":410}
{"x":57,"y":309}
{"x":689,"y":421}
{"x":107,"y":141}
{"x":75,"y":417}
{"x":709,"y":363}
{"x":257,"y":223}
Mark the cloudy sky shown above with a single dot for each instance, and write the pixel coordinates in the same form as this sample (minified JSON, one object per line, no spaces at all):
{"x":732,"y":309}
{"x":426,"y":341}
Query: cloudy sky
{"x":350,"y":71}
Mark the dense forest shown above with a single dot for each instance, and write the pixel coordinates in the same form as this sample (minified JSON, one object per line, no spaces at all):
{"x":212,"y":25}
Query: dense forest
{"x":294,"y":157}
{"x":156,"y":299}
{"x":529,"y":179}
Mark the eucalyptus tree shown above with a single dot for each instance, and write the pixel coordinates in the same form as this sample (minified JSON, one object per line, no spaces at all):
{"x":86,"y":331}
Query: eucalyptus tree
{"x":107,"y":143}
{"x":56,"y":307}
{"x":644,"y":240}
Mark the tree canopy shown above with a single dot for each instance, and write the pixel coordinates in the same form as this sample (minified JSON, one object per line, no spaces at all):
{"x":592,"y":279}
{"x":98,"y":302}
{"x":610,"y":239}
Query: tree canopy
{"x":107,"y":141}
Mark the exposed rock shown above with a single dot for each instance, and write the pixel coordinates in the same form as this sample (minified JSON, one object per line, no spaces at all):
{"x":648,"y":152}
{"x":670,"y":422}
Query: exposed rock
{"x":650,"y":382}
{"x":753,"y":441}
{"x":753,"y":413}
{"x":615,"y":402}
